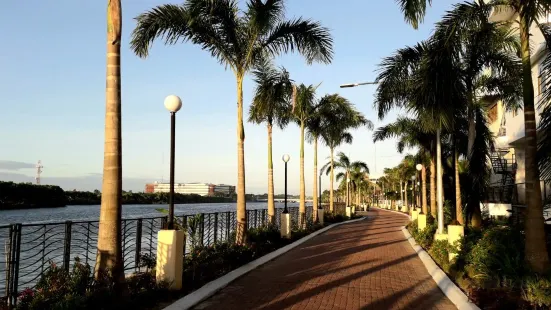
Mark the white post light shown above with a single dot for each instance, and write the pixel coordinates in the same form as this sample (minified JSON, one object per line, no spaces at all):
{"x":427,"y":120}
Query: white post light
{"x":170,"y":242}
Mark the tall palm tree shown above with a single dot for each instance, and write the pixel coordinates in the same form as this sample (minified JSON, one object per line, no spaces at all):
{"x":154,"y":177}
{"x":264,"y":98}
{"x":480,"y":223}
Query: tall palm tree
{"x":424,"y":80}
{"x":338,"y":117}
{"x":544,"y":145}
{"x":410,"y":135}
{"x":109,"y":255}
{"x":357,"y":180}
{"x":315,"y":129}
{"x":271,"y":105}
{"x":487,"y":52}
{"x":304,"y":107}
{"x":528,"y":12}
{"x":536,"y":248}
{"x":239,"y":40}
{"x":347,"y":166}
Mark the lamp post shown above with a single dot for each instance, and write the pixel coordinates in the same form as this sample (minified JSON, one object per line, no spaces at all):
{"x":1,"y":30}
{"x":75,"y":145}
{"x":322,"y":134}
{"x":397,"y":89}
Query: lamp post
{"x":285,"y":159}
{"x":173,"y":104}
{"x":170,"y":241}
{"x":357,"y":84}
{"x":285,"y":220}
{"x":319,"y":203}
{"x":422,"y":196}
{"x":413,"y":190}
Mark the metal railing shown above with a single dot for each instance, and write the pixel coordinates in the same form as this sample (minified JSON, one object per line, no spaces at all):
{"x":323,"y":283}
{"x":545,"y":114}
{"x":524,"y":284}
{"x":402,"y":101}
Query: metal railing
{"x":515,"y":193}
{"x":30,"y":248}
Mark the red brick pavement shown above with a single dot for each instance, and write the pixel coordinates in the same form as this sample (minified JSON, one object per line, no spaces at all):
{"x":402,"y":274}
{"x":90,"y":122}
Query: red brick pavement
{"x":363,"y":265}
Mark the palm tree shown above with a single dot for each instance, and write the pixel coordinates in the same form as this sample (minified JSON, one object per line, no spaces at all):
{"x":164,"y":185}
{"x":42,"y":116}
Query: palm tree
{"x":348,"y":167}
{"x":338,"y":117}
{"x":271,"y":106}
{"x":528,"y":12}
{"x":239,"y":40}
{"x":315,"y":128}
{"x":536,"y":248}
{"x":304,"y":107}
{"x":357,"y":180}
{"x":109,"y":255}
{"x":410,"y":135}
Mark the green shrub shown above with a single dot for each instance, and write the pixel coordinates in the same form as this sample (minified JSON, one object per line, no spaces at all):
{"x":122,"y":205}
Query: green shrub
{"x":497,"y":260}
{"x":425,"y":237}
{"x":537,"y":290}
{"x":412,"y":228}
{"x":439,"y":251}
{"x":76,"y":289}
{"x":331,"y":218}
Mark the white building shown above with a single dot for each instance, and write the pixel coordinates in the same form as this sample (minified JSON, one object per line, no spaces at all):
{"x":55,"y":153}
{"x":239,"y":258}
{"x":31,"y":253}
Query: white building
{"x":224,"y":190}
{"x":202,"y":189}
{"x":508,"y":164}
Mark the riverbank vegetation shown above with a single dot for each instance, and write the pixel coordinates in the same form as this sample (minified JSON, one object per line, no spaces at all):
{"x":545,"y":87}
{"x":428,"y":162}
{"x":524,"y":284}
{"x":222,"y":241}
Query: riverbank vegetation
{"x":30,"y":196}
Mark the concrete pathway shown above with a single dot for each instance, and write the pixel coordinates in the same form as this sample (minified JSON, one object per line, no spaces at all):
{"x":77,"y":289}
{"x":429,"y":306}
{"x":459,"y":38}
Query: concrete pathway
{"x":363,"y":265}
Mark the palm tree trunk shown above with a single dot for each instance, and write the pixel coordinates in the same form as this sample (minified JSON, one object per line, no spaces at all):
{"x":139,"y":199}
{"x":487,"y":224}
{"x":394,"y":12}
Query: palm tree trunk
{"x":315,"y":191}
{"x":271,"y":204}
{"x":433,"y":185}
{"x":109,"y":256}
{"x":241,"y":229}
{"x":536,"y":248}
{"x":406,"y":194}
{"x":458,"y":203}
{"x":424,"y":189}
{"x":401,"y":193}
{"x":439,"y":189}
{"x":302,"y":204}
{"x":331,"y":177}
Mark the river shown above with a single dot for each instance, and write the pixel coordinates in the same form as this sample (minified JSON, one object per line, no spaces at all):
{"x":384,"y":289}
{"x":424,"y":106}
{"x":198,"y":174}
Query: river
{"x":91,"y":213}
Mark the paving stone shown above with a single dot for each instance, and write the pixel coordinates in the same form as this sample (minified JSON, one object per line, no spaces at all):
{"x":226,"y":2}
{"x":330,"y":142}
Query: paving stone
{"x":364,"y":265}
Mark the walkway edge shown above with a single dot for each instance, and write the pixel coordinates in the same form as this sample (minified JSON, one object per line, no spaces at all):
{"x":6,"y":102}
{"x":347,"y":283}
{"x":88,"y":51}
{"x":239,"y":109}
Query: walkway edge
{"x":214,"y":286}
{"x":454,"y":293}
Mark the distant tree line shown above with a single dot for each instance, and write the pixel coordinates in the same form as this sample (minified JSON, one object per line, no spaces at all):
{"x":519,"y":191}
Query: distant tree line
{"x":27,"y":195}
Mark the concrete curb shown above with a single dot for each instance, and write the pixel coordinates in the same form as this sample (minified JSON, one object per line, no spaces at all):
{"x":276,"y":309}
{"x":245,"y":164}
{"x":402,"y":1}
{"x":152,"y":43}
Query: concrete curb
{"x":454,"y":293}
{"x":214,"y":286}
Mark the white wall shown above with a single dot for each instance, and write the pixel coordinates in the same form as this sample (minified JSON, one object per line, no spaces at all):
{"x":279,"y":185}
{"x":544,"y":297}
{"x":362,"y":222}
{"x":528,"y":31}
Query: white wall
{"x":497,"y":209}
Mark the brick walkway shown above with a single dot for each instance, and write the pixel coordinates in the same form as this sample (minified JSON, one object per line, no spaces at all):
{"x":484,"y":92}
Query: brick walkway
{"x":363,"y":265}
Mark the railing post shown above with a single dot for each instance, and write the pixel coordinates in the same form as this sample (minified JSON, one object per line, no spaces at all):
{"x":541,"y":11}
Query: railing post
{"x":13,"y":264}
{"x":228,"y":223}
{"x":138,"y":244}
{"x":67,"y":245}
{"x":215,"y":227}
{"x":202,"y":232}
{"x":184,"y":228}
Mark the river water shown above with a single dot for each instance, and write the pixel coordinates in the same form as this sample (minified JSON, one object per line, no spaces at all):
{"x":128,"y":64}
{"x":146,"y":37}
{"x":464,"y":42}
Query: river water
{"x":43,"y":235}
{"x":91,"y":213}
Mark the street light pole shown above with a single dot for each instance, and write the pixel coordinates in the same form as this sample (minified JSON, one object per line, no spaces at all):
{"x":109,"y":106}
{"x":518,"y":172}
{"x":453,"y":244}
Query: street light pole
{"x":319,"y":204}
{"x":357,"y":84}
{"x":286,"y":159}
{"x":173,"y":104}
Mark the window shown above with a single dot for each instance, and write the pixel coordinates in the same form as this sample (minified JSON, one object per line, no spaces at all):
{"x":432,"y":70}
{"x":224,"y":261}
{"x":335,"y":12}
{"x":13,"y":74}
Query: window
{"x":515,"y":112}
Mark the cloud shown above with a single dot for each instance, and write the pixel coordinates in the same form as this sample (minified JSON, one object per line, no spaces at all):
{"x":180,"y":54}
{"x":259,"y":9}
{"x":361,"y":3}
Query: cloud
{"x":14,"y":165}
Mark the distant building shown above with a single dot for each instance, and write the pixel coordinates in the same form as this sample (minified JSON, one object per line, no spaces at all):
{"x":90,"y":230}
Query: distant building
{"x":224,"y":190}
{"x":150,"y":188}
{"x":202,"y":189}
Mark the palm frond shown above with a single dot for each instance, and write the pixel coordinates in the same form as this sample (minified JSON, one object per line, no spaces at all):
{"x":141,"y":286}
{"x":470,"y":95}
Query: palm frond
{"x":309,"y":38}
{"x":414,"y":10}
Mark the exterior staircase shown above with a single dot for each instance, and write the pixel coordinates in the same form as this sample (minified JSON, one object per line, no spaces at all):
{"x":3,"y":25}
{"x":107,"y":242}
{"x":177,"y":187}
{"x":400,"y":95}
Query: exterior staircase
{"x":503,"y":191}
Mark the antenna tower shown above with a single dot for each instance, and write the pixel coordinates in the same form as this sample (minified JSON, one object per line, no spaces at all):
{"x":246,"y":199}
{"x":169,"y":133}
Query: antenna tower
{"x":38,"y":172}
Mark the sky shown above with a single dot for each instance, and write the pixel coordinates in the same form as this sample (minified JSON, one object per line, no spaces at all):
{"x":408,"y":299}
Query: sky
{"x":52,"y":96}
